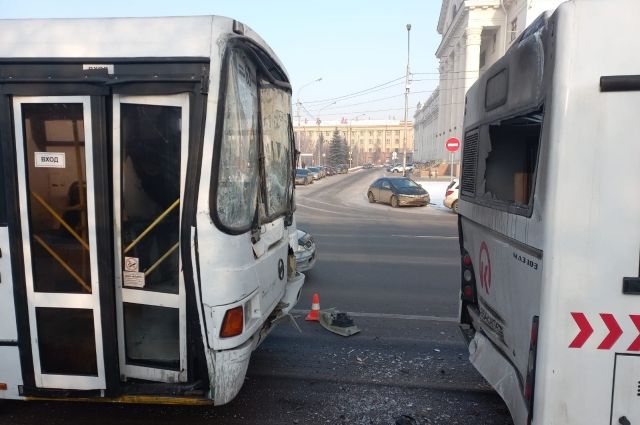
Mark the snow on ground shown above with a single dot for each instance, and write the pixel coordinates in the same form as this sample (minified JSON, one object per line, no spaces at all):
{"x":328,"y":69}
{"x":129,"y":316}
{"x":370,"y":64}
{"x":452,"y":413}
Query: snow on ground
{"x":436,"y":189}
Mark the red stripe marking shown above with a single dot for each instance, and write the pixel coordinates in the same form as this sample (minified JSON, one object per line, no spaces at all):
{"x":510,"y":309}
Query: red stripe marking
{"x":585,"y":330}
{"x":635,"y":345}
{"x":614,"y":331}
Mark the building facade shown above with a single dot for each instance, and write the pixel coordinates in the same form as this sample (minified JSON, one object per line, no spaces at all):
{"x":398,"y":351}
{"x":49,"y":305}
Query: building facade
{"x":369,"y":141}
{"x":475,"y":34}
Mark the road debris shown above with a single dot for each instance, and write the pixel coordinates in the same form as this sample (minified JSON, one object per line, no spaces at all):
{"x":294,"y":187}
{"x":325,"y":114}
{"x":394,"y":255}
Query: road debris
{"x":338,"y":322}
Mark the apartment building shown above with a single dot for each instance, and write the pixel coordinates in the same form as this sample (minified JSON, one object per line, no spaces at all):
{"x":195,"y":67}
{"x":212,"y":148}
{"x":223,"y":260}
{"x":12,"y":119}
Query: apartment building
{"x":369,"y":141}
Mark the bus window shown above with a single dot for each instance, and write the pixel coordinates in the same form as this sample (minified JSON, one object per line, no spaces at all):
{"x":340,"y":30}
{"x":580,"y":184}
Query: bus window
{"x":237,"y":187}
{"x":274,"y":103}
{"x":511,"y":148}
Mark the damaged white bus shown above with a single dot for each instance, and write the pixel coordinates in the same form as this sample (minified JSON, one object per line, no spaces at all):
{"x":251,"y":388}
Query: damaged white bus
{"x":145,"y":208}
{"x":550,"y":219}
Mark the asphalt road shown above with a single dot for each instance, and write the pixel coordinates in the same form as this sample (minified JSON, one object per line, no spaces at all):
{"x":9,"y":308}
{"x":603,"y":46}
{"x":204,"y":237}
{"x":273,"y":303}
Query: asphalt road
{"x":396,"y":272}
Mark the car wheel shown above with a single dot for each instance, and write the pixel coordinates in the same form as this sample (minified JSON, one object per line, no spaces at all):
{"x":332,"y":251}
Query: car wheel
{"x":371,"y":198}
{"x":454,"y":207}
{"x":394,"y":202}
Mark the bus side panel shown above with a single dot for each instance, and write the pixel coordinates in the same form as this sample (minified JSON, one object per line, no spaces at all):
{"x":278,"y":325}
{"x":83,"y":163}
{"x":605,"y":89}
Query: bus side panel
{"x":592,"y":240}
{"x":10,"y":370}
{"x":508,"y":279}
{"x":8,"y":330}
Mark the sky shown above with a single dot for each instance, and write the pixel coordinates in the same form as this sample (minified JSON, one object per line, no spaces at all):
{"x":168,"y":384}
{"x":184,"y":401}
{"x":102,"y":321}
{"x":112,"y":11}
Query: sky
{"x":357,"y":47}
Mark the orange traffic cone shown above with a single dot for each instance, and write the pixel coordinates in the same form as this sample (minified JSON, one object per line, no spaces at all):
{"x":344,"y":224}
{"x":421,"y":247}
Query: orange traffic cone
{"x":315,"y":309}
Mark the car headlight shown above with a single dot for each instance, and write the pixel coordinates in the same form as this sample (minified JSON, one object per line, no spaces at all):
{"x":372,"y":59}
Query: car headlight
{"x":306,"y":241}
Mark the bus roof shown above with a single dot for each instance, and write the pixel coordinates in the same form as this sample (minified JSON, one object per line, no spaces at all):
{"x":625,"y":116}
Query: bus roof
{"x":187,"y":36}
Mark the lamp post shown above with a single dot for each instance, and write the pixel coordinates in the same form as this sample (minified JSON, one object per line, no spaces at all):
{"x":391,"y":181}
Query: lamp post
{"x":318,"y":121}
{"x":406,"y":106}
{"x":298,"y":104}
{"x":350,"y":138}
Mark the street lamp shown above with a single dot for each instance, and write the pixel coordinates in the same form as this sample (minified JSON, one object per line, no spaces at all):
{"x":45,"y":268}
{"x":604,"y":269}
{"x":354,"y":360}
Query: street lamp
{"x":350,"y":139}
{"x":406,"y":106}
{"x":318,"y":123}
{"x":298,"y":103}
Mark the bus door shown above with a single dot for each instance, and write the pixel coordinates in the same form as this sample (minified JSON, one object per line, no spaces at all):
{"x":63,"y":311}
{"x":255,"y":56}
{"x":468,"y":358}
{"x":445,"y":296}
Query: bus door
{"x":54,"y":151}
{"x":150,"y":140}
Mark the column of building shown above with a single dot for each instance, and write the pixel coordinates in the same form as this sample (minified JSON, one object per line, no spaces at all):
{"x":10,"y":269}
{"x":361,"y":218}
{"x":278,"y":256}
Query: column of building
{"x":472,"y":52}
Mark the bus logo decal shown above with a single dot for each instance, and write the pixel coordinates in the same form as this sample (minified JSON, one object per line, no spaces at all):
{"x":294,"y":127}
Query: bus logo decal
{"x":485,"y":267}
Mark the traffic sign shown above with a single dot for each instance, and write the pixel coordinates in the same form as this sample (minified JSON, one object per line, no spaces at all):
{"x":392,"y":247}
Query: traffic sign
{"x":452,"y":144}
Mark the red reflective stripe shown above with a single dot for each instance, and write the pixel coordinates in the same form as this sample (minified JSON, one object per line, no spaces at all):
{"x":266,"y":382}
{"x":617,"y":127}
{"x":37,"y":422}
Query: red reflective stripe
{"x":635,"y":345}
{"x":585,"y":330}
{"x":614,"y":331}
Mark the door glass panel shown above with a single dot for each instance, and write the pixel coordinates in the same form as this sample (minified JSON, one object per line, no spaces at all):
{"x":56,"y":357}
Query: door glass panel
{"x":54,"y":141}
{"x":152,"y":337}
{"x":150,"y":139}
{"x":66,"y":340}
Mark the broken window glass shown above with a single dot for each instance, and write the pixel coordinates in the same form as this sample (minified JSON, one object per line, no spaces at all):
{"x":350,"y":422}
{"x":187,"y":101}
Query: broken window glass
{"x":275,"y":104}
{"x":511,"y":159}
{"x":238,"y":165}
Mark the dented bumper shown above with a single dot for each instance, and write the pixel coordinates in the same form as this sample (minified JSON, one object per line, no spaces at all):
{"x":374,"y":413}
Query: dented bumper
{"x":230,"y":366}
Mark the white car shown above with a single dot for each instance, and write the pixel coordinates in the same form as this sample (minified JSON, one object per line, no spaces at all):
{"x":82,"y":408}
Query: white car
{"x":399,"y":169}
{"x":451,"y":195}
{"x":306,"y":252}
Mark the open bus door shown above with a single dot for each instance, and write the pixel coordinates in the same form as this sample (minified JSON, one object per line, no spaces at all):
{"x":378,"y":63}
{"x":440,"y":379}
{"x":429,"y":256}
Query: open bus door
{"x":64,"y":185}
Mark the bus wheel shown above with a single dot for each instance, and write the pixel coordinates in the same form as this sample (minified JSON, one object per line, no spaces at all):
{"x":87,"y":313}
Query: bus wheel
{"x":371,"y":198}
{"x":394,"y":202}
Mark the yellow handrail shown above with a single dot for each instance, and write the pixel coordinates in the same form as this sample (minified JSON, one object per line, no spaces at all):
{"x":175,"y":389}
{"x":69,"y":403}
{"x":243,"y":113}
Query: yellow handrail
{"x":161,"y":259}
{"x":62,"y":263}
{"x":152,"y":226}
{"x":60,"y":219}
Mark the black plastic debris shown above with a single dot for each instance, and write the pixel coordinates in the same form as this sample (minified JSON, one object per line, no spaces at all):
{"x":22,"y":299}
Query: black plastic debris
{"x":338,"y":322}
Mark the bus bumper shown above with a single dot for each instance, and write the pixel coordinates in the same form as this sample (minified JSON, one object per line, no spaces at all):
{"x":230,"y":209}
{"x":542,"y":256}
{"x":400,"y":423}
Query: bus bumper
{"x":230,"y":366}
{"x":500,"y":374}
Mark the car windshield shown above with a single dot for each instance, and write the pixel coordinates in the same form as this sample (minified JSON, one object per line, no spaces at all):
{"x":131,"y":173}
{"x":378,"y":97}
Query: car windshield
{"x":402,"y":183}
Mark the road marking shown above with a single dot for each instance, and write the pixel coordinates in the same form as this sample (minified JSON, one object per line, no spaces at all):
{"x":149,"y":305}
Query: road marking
{"x":425,"y":237}
{"x":378,"y":236}
{"x":395,"y":316}
{"x":341,"y":213}
{"x":381,"y":259}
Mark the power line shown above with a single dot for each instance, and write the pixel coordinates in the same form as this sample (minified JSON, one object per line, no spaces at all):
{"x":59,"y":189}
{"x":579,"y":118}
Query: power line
{"x":381,"y":110}
{"x":355,"y":93}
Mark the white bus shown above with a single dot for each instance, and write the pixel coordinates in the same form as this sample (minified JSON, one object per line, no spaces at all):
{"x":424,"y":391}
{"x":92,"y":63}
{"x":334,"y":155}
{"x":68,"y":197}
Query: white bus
{"x":145,"y":208}
{"x":550,"y":218}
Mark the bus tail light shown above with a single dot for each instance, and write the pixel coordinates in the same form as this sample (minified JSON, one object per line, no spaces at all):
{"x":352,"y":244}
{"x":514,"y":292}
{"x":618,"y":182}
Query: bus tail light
{"x":3,"y":386}
{"x":233,"y":322}
{"x":468,"y":290}
{"x":529,"y":386}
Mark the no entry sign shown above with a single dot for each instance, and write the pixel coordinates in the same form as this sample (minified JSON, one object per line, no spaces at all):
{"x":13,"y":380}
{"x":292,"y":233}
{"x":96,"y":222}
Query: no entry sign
{"x":452,"y":144}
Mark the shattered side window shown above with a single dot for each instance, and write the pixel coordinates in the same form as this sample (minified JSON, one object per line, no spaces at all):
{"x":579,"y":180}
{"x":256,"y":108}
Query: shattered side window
{"x":238,"y":166}
{"x":275,"y":104}
{"x":511,"y":159}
